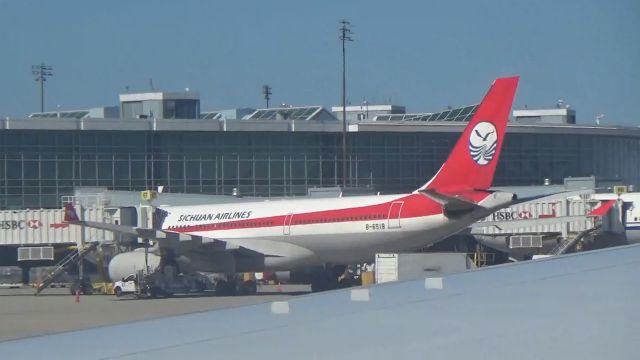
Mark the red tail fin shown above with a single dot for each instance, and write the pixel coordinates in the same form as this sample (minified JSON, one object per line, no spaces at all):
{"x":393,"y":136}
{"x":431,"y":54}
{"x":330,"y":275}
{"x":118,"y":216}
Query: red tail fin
{"x":472,"y":162}
{"x":70,"y":215}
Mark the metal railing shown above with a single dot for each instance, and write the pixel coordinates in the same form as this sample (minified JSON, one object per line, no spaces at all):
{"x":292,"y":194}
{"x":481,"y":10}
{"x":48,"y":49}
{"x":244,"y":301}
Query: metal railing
{"x":564,"y":245}
{"x":72,"y":258}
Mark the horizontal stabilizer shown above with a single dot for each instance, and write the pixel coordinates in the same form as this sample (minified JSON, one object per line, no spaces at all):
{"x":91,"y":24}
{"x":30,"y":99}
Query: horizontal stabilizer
{"x":452,"y":206}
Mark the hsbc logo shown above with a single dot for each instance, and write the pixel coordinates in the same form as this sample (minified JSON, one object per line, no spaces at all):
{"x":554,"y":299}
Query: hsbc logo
{"x":525,"y":215}
{"x":20,"y":224}
{"x":12,"y":224}
{"x":34,"y":224}
{"x":511,"y":215}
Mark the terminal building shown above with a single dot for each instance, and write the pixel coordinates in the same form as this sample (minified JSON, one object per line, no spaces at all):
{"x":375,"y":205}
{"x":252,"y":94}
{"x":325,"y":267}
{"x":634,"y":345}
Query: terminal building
{"x":164,"y":140}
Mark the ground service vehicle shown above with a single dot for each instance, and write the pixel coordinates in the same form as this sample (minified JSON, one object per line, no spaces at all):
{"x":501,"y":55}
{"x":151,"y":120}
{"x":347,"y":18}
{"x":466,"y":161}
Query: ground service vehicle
{"x":156,"y":283}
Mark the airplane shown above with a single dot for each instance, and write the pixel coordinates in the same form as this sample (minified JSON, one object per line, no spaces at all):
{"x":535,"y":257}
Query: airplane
{"x":328,"y":233}
{"x":628,"y":212}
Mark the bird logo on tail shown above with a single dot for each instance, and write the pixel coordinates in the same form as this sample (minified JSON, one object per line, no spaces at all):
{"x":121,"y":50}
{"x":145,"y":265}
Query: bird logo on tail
{"x":483,"y":142}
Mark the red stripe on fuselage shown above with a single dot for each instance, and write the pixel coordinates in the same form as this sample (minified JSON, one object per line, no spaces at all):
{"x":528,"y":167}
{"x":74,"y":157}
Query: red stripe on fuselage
{"x":414,"y":205}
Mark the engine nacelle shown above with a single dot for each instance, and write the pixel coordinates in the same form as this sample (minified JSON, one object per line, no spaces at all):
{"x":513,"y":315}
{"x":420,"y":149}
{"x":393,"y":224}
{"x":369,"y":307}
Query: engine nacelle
{"x":125,"y":264}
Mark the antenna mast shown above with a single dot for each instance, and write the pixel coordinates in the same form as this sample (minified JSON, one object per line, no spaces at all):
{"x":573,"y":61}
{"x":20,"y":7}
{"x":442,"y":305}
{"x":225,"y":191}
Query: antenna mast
{"x":266,"y":91}
{"x":41,"y":72}
{"x":345,"y":35}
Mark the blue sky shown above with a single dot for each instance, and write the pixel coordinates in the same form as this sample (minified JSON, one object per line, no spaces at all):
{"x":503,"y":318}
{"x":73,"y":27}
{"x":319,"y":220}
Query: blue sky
{"x":425,"y":55}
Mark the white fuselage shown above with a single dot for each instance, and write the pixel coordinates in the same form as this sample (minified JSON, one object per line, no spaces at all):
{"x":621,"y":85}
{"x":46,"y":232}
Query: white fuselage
{"x":336,"y":230}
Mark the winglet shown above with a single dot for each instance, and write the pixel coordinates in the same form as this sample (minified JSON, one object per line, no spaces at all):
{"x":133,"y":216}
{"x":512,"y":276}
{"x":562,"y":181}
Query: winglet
{"x":472,"y":162}
{"x":70,"y":215}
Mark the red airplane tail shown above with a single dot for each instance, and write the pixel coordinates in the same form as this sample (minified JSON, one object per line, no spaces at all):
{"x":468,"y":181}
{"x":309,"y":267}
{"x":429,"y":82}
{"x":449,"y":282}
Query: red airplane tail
{"x":70,"y":215}
{"x":472,"y":162}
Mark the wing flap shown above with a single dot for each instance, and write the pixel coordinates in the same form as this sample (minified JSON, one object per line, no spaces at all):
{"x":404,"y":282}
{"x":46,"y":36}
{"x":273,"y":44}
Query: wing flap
{"x":268,"y":248}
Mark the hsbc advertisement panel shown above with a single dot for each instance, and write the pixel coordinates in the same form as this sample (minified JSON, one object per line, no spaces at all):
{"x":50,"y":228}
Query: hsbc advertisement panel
{"x":511,"y":215}
{"x":20,"y":224}
{"x":537,"y":210}
{"x":45,"y":226}
{"x":541,"y":210}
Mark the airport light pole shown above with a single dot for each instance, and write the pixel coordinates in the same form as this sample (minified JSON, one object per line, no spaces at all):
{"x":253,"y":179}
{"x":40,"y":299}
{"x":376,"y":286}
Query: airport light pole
{"x":41,"y":72}
{"x":366,"y":105}
{"x":266,"y":91}
{"x":345,"y":35}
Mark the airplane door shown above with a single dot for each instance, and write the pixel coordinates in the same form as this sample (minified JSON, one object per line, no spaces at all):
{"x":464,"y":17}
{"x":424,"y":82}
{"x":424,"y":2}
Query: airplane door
{"x":287,"y":224}
{"x":394,"y":214}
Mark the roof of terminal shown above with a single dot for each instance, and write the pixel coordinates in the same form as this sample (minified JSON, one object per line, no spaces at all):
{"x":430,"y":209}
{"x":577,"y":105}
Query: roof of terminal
{"x":160,"y":95}
{"x":294,"y":119}
{"x":463,"y":114}
{"x":96,"y":124}
{"x":212,"y":115}
{"x":79,"y":114}
{"x":292,"y":113}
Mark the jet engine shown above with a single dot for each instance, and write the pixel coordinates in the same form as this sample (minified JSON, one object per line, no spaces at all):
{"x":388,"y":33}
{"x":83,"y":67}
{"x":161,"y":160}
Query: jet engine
{"x":125,"y":264}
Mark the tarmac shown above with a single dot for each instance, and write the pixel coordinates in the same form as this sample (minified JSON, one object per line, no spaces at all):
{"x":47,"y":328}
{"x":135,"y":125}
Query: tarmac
{"x":24,"y":315}
{"x":578,"y":306}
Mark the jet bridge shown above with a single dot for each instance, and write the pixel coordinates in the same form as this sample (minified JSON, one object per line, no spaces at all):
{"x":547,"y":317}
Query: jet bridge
{"x":41,"y":227}
{"x":549,"y":225}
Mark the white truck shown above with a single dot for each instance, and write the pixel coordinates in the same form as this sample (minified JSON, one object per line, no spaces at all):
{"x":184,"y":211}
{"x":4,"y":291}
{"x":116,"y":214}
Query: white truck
{"x":125,"y":286}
